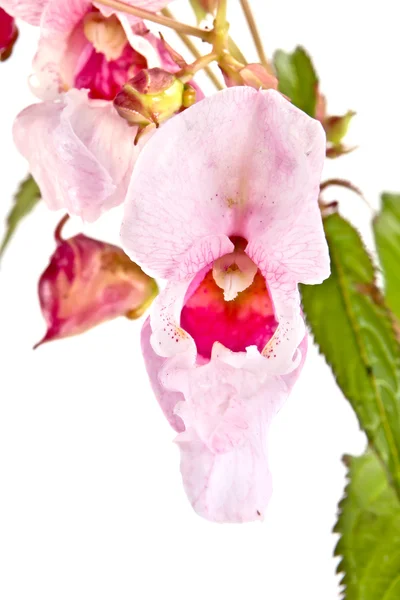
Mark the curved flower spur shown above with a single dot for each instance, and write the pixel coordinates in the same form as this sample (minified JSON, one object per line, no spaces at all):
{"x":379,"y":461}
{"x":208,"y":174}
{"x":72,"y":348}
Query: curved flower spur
{"x":228,"y":215}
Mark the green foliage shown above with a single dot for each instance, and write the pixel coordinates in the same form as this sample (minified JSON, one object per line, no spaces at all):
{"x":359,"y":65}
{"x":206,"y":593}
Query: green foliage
{"x":25,"y":200}
{"x":353,"y":329}
{"x":369,"y":525}
{"x":387,"y":236}
{"x":297,"y":78}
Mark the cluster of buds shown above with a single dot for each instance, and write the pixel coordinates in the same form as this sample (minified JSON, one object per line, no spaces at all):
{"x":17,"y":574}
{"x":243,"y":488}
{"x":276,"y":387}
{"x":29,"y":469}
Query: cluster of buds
{"x":151,"y":97}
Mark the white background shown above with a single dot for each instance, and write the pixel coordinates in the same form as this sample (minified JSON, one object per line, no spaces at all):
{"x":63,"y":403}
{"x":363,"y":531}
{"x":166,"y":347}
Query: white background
{"x":91,"y":503}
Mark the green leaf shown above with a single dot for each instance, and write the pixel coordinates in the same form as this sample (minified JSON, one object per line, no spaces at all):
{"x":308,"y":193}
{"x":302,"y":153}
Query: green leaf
{"x":25,"y":200}
{"x":369,"y":524}
{"x":353,"y":329}
{"x":387,"y":237}
{"x":297,"y":78}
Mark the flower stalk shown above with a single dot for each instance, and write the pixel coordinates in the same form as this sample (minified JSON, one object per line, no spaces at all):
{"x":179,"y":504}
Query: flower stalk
{"x":161,"y":19}
{"x":255,"y":34}
{"x":194,"y":50}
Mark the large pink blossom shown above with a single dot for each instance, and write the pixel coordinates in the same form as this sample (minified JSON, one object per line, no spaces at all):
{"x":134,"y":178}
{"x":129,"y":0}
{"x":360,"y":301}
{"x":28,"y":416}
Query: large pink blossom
{"x":86,"y":151}
{"x":228,"y":214}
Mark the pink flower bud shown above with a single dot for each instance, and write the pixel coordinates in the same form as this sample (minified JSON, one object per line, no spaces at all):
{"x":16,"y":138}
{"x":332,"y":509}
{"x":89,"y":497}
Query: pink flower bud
{"x":210,"y":6}
{"x":258,"y":77}
{"x":88,"y":282}
{"x":153,"y":95}
{"x":8,"y":34}
{"x":252,"y":75}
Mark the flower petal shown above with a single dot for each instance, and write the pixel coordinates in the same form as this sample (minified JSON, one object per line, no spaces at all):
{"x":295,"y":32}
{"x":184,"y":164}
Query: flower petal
{"x":226,"y":406}
{"x":242,"y":162}
{"x":154,"y":363}
{"x":86,"y":153}
{"x":58,"y":22}
{"x":27,"y":10}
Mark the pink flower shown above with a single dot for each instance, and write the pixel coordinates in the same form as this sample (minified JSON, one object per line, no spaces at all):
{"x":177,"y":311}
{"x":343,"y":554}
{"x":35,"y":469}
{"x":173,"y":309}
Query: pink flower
{"x":228,"y":214}
{"x":80,"y":152}
{"x":88,"y":282}
{"x":85,"y":47}
{"x":86,"y":151}
{"x":27,"y":10}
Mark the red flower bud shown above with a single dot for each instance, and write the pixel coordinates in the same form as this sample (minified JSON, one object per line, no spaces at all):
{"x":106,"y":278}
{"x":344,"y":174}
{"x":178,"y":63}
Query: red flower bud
{"x":88,"y":282}
{"x":8,"y":34}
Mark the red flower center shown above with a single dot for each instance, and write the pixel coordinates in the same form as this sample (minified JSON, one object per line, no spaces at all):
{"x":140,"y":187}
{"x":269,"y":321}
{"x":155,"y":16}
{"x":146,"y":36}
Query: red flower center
{"x":104,"y":59}
{"x":245,"y":320}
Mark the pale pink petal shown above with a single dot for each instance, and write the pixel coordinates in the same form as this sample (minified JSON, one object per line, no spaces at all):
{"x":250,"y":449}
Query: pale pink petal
{"x":154,"y":363}
{"x":226,"y":407}
{"x":58,"y":22}
{"x":27,"y":10}
{"x":85,"y":156}
{"x":244,"y":163}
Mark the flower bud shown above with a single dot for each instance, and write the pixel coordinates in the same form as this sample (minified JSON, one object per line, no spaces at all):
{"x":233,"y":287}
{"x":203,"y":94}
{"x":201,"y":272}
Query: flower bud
{"x":257,"y":76}
{"x":150,"y":97}
{"x":336,"y":127}
{"x":253,"y":75}
{"x":202,"y":8}
{"x":88,"y":282}
{"x":8,"y":34}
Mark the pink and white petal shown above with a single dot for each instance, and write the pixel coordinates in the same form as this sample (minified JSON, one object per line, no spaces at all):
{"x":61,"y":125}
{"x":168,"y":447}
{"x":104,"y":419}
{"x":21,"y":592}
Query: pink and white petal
{"x":234,"y":487}
{"x":167,"y":399}
{"x":37,"y":122}
{"x":238,"y":163}
{"x":143,"y":44}
{"x":27,"y":10}
{"x":227,"y":413}
{"x":61,"y":17}
{"x":168,"y":339}
{"x":86,"y":155}
{"x":57,"y":50}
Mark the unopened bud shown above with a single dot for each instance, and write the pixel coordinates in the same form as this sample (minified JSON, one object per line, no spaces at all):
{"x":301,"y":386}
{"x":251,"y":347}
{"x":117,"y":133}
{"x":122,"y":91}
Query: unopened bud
{"x":88,"y":282}
{"x":202,"y":8}
{"x":8,"y":34}
{"x":152,"y":96}
{"x":257,"y":76}
{"x":209,"y":6}
{"x":336,"y":127}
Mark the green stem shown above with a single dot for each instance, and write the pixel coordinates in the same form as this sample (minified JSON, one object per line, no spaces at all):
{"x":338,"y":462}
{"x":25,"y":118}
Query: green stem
{"x":196,"y":53}
{"x":220,"y":31}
